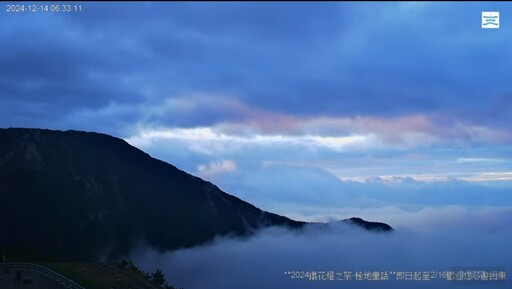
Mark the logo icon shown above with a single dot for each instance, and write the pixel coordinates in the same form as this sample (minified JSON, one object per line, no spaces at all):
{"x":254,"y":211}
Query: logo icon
{"x":490,"y":20}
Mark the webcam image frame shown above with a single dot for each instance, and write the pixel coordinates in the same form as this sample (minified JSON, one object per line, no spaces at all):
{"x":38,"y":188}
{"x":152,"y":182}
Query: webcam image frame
{"x":227,"y":145}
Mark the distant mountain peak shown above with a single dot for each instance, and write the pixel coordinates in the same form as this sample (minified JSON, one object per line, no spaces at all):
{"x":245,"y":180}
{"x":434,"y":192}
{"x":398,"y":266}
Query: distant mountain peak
{"x":370,"y":226}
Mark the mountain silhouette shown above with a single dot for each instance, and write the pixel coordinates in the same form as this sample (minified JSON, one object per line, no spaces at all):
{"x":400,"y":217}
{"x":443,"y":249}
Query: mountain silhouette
{"x":76,"y":195}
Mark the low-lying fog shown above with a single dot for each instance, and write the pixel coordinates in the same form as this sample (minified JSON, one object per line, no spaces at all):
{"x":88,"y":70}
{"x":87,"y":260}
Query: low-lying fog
{"x":426,"y":240}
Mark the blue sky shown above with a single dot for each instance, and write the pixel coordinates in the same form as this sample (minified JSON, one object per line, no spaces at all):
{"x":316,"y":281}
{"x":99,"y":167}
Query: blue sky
{"x":313,"y":110}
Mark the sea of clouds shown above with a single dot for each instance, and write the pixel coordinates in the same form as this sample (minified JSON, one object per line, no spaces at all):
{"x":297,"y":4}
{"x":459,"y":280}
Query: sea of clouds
{"x":426,"y":240}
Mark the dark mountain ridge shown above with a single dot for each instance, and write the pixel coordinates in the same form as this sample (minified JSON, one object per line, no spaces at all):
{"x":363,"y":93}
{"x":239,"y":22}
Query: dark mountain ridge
{"x":80,"y":195}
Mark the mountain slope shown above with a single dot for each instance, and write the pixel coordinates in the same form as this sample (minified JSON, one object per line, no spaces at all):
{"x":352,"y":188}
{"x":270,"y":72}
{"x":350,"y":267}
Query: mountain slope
{"x":80,"y":194}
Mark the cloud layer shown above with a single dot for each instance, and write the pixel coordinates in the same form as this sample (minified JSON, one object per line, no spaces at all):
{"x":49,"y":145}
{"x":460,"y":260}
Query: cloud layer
{"x":437,"y":240}
{"x":300,"y":59}
{"x":327,"y":78}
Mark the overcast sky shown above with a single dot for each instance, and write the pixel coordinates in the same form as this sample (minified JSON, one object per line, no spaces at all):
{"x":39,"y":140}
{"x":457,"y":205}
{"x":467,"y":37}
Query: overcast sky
{"x":313,"y":110}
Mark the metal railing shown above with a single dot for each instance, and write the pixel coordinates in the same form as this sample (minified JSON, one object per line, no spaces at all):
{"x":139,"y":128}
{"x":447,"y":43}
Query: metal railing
{"x":47,"y":272}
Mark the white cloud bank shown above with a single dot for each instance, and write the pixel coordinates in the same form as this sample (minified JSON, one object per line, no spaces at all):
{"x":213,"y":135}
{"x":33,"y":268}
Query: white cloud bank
{"x":441,"y":240}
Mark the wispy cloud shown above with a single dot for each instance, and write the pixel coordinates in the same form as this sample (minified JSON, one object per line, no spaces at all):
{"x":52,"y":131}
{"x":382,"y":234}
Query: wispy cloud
{"x":490,"y":176}
{"x":334,"y":133}
{"x":214,"y":168}
{"x":479,"y":160}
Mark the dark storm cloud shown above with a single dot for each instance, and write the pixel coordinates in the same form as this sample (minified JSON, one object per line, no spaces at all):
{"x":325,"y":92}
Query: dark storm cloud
{"x":50,"y":70}
{"x":302,"y":59}
{"x":218,"y":46}
{"x":50,"y":59}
